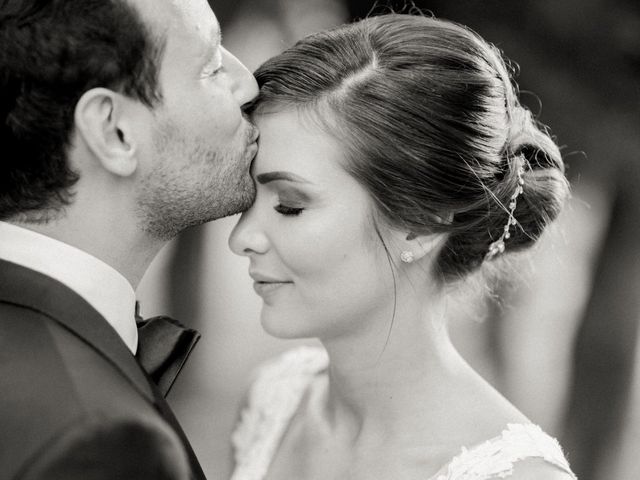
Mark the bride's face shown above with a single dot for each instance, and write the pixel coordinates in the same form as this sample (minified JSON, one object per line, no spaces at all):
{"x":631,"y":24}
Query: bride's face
{"x":314,"y":256}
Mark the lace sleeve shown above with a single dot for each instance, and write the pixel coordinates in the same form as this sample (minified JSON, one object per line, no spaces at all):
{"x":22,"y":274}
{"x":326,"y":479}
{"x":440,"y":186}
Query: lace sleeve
{"x":496,"y":458}
{"x":272,"y":400}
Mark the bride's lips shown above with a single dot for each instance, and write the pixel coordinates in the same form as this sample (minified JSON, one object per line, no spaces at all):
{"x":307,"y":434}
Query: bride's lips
{"x":264,"y":284}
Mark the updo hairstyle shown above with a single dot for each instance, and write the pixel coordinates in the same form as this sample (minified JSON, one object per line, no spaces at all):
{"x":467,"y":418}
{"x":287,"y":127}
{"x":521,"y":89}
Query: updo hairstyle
{"x":432,"y":126}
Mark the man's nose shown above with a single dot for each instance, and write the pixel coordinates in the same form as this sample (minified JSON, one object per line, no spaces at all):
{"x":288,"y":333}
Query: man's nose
{"x":245,"y":87}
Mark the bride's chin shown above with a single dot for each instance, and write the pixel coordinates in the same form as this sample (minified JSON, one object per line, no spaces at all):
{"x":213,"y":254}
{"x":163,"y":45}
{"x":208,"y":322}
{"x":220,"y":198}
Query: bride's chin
{"x":282,"y":327}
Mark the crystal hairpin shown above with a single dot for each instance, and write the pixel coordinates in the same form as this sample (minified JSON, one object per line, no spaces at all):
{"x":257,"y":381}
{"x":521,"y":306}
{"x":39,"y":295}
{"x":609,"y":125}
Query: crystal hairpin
{"x":498,"y":246}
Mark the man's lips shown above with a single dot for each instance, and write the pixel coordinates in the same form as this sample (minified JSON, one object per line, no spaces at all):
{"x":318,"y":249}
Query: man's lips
{"x":255,"y":134}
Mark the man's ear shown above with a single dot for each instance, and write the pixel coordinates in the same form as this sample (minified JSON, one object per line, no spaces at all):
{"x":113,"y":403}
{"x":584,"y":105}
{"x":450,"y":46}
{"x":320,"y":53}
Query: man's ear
{"x":102,"y":122}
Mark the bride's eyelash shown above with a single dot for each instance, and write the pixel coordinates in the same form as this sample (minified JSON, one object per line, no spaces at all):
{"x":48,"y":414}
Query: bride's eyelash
{"x":287,"y":211}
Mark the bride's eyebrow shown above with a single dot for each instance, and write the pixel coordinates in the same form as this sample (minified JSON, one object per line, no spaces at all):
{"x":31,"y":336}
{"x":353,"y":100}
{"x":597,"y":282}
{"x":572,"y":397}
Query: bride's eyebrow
{"x":265,"y":178}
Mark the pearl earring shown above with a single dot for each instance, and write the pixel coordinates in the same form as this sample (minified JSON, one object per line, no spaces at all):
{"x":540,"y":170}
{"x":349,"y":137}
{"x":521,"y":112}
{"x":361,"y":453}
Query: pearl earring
{"x":407,"y":256}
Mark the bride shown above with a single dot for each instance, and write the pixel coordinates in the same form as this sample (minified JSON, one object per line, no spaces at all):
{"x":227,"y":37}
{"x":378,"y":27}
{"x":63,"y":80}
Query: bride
{"x":395,"y":161}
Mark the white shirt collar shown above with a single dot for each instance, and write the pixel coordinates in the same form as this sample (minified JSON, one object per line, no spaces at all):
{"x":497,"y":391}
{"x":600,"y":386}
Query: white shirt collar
{"x":104,"y":288}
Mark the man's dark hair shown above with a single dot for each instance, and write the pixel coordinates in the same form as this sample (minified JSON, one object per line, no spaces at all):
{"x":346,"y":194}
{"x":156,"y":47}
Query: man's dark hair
{"x":52,"y":52}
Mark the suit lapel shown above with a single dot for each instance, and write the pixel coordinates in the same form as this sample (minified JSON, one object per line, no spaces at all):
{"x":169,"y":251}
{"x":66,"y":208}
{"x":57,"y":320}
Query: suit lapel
{"x":25,"y":287}
{"x":22,"y":286}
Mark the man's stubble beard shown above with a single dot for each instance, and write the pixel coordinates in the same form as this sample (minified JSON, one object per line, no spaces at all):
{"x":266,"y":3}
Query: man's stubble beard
{"x":192,"y":184}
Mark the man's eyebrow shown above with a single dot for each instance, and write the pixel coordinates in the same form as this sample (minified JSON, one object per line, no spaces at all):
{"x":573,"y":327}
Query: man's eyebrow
{"x":217,"y":36}
{"x":212,"y":48}
{"x":264,"y":178}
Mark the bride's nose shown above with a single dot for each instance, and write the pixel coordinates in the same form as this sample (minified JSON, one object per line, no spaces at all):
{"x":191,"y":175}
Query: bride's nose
{"x":247,"y":237}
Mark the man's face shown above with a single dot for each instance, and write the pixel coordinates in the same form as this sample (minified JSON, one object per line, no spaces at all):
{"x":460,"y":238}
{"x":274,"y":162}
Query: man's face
{"x":200,"y":147}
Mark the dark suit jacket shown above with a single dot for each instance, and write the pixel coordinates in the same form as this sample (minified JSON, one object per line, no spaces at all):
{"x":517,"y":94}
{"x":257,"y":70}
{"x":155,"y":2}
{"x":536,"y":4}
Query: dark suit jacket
{"x":74,"y":403}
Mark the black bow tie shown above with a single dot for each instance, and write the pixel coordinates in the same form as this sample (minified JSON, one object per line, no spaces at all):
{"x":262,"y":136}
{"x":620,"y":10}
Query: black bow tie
{"x":164,"y":345}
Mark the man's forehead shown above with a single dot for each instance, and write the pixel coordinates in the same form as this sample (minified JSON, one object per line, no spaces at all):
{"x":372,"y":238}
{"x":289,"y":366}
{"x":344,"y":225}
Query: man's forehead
{"x":195,"y":15}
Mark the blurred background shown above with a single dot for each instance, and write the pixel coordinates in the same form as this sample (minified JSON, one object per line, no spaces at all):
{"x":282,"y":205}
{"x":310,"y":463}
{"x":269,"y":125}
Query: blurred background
{"x":562,"y":343}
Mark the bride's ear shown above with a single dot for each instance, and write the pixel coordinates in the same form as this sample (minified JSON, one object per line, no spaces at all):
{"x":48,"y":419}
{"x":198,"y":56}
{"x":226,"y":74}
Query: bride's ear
{"x":418,"y":246}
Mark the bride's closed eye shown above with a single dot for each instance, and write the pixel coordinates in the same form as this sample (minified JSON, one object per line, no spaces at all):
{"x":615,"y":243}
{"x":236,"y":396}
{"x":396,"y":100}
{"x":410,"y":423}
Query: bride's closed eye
{"x":288,"y":211}
{"x":291,"y":201}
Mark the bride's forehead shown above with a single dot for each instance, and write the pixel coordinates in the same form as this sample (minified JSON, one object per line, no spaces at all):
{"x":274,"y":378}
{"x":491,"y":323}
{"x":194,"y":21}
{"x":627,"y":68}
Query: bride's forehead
{"x":286,"y":141}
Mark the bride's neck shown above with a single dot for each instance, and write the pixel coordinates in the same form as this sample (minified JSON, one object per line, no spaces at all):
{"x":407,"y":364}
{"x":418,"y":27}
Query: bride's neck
{"x":382,"y":380}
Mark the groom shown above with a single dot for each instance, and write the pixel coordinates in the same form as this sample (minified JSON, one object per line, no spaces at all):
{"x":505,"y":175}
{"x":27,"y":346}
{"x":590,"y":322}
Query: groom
{"x":120,"y":126}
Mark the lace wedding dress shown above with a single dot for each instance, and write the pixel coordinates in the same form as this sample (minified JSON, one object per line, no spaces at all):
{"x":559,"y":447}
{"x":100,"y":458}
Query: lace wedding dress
{"x":280,"y":385}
